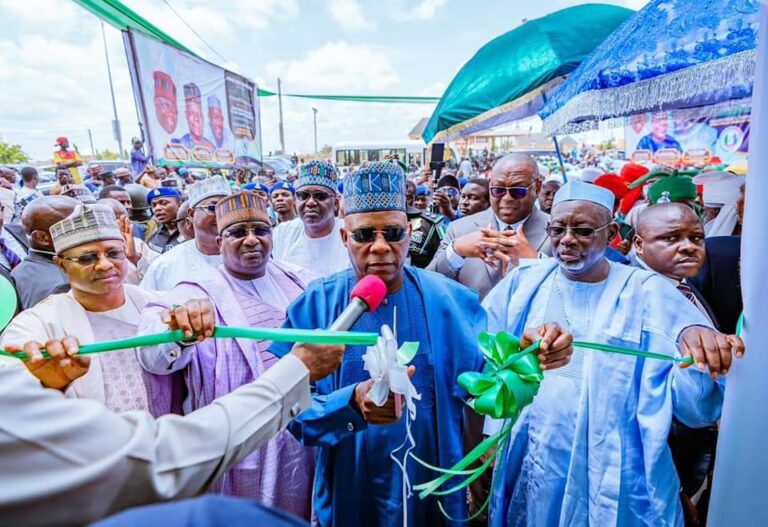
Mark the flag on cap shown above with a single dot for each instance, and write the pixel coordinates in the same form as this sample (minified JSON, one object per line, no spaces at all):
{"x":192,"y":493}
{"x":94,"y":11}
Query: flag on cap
{"x":240,"y":207}
{"x":376,"y":187}
{"x":207,"y":188}
{"x":88,"y":223}
{"x":576,"y":190}
{"x":318,"y":173}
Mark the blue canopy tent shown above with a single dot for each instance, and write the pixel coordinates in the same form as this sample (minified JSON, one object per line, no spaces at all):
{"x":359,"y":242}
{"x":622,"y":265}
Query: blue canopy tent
{"x":671,"y":55}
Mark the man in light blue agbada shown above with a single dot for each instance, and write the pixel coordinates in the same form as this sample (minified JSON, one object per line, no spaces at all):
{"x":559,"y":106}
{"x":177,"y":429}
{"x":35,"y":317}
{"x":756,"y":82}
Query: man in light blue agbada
{"x":357,"y":482}
{"x":592,"y":447}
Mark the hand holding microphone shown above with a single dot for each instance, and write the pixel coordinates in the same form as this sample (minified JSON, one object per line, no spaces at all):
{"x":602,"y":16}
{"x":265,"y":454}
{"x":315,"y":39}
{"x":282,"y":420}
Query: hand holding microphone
{"x":322,"y":360}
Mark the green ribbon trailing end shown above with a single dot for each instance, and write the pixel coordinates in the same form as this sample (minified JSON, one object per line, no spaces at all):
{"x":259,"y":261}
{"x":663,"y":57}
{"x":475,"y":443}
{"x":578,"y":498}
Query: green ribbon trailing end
{"x":348,"y":338}
{"x":508,"y":383}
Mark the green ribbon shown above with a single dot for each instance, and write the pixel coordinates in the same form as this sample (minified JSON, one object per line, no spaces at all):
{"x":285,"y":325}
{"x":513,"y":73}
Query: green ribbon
{"x":509,"y":382}
{"x":348,"y":338}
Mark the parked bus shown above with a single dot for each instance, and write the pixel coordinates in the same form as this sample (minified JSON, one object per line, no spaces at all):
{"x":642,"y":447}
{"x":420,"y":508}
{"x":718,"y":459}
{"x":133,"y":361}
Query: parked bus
{"x":347,"y":155}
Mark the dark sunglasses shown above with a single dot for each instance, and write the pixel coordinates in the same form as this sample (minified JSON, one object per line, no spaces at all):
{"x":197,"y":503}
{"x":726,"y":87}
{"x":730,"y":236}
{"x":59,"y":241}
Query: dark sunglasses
{"x":515,"y":192}
{"x":113,"y":255}
{"x":368,"y":234}
{"x":211,"y":209}
{"x":451,"y":191}
{"x":241,"y":232}
{"x":579,"y":232}
{"x":319,"y":195}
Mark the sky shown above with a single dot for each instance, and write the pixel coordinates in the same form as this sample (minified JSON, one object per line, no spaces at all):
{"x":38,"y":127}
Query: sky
{"x":53,"y":73}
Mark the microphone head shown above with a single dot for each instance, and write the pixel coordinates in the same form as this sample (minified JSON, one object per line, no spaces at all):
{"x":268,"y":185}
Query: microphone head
{"x":371,"y":290}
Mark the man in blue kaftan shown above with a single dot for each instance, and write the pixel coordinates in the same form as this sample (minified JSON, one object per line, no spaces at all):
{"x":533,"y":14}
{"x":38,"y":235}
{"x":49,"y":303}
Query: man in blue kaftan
{"x":357,"y":482}
{"x":592,"y":447}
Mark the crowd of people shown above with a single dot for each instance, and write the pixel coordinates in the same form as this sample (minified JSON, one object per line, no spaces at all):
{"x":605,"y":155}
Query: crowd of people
{"x":643,"y":258}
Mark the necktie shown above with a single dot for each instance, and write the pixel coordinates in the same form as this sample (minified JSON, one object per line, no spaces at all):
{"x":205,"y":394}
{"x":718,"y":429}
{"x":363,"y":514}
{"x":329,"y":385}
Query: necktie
{"x":687,"y":292}
{"x":12,"y":257}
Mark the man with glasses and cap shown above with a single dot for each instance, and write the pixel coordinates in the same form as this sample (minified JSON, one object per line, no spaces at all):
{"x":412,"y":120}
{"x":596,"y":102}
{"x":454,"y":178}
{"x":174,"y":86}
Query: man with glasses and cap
{"x":357,"y":482}
{"x":197,"y":257}
{"x":313,"y":240}
{"x":90,"y":250}
{"x":592,"y":447}
{"x":165,"y":203}
{"x":477,"y":249}
{"x":248,"y":290}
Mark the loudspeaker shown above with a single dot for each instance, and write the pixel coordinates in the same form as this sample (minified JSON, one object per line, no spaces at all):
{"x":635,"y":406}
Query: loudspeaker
{"x":438,"y":151}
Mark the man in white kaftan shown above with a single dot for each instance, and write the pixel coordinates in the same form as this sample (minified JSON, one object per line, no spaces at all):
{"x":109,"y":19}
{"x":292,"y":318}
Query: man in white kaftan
{"x":592,"y":447}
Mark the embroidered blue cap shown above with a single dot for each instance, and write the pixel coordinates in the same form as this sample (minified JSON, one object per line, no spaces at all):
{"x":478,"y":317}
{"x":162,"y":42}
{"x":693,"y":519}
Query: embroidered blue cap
{"x":378,"y":186}
{"x":318,"y":173}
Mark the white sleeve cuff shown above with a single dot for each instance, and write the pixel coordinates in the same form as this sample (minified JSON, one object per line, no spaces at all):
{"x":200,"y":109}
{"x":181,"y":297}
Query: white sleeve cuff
{"x":454,"y":260}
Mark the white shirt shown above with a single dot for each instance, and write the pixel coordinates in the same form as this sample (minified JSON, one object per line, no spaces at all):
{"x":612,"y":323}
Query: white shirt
{"x":457,"y":262}
{"x":320,"y":256}
{"x":183,"y":262}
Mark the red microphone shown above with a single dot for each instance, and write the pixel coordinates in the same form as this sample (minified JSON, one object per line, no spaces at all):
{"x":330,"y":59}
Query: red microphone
{"x":367,"y":295}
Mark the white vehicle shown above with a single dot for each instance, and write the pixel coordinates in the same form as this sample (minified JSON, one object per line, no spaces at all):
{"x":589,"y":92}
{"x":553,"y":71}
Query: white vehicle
{"x":347,"y":155}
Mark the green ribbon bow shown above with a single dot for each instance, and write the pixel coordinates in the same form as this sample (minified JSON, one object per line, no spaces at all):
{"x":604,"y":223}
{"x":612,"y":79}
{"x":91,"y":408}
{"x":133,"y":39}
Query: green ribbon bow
{"x":509,"y":381}
{"x":510,"y":378}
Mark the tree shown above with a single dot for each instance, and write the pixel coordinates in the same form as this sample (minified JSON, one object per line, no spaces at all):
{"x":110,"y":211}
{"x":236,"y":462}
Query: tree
{"x":11,"y":154}
{"x":326,"y":151}
{"x":107,"y":155}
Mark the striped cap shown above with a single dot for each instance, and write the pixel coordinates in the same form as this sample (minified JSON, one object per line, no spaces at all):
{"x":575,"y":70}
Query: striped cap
{"x":240,"y":207}
{"x":86,"y":224}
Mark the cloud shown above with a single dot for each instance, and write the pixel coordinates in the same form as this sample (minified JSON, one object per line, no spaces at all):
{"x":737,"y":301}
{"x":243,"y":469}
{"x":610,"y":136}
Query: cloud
{"x":423,"y":10}
{"x":337,"y":67}
{"x":349,"y":15}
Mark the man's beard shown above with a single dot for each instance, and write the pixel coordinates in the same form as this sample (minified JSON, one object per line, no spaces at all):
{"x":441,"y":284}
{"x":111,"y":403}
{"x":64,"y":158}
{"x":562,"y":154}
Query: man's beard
{"x":571,"y":267}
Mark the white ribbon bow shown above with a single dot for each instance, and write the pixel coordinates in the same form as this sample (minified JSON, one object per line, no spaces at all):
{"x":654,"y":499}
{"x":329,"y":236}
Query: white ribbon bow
{"x":388,"y":367}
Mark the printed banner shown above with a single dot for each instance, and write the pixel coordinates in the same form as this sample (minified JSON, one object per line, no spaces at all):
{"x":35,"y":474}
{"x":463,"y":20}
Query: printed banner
{"x":660,"y":138}
{"x":195,"y":113}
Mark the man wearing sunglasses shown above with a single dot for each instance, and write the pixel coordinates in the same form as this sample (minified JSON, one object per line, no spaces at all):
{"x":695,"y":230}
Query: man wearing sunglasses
{"x":249,"y":289}
{"x":476,"y":248}
{"x":593,"y":444}
{"x":357,"y":482}
{"x":313,"y":240}
{"x":197,"y":257}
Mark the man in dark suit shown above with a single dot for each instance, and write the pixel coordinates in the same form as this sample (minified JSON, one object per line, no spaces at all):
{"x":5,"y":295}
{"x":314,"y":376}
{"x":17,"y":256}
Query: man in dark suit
{"x":670,"y":241}
{"x":477,"y":249}
{"x":719,"y":282}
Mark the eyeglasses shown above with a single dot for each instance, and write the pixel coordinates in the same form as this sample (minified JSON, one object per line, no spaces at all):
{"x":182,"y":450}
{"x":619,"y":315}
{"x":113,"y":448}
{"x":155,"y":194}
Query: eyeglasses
{"x":368,"y":234}
{"x":241,"y":232}
{"x":580,"y":232}
{"x":451,"y":191}
{"x":211,"y":209}
{"x":113,"y":255}
{"x":514,"y":192}
{"x":319,"y":195}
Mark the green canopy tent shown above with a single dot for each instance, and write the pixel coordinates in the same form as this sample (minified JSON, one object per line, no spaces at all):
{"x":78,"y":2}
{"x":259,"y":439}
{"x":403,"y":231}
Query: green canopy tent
{"x":510,"y":77}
